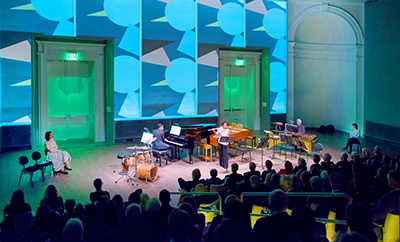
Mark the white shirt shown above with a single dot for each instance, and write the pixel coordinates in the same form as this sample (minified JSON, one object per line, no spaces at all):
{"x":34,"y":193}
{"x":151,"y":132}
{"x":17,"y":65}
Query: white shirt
{"x":355,"y":134}
{"x":224,"y":132}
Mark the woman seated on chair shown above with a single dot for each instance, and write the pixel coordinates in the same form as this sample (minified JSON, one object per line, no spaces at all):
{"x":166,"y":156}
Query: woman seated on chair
{"x":59,"y":158}
{"x":353,"y":139}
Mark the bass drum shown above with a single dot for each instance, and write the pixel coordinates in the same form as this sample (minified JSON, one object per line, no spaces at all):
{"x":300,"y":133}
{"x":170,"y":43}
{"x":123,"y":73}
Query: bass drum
{"x":147,"y":170}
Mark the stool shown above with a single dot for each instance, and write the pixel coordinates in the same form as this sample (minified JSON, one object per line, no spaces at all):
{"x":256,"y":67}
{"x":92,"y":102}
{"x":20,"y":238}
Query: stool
{"x":253,"y":141}
{"x":158,"y":154}
{"x":207,"y":151}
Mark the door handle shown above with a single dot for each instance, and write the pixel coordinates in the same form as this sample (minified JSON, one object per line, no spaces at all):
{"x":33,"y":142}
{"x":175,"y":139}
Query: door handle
{"x":229,"y":109}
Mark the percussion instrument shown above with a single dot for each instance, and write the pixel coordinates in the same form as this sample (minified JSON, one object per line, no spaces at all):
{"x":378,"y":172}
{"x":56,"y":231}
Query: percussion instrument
{"x":147,"y":171}
{"x":137,"y":147}
{"x":132,"y":161}
{"x":125,"y":164}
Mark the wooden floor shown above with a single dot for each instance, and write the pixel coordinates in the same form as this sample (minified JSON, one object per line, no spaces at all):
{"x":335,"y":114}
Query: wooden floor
{"x":96,"y":160}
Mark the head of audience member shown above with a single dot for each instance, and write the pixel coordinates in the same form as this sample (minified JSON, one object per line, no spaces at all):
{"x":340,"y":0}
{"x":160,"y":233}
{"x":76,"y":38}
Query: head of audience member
{"x":275,"y":180}
{"x":349,"y":237}
{"x":237,"y":212}
{"x":213,"y":173}
{"x":255,"y":181}
{"x":102,"y":200}
{"x":91,"y":212}
{"x":179,"y":224}
{"x":228,"y":231}
{"x":278,"y":201}
{"x":381,"y":173}
{"x":56,"y":225}
{"x":327,"y":157}
{"x":377,"y":150}
{"x":286,"y":182}
{"x":234,"y":167}
{"x":231,"y":197}
{"x":109,"y":214}
{"x":356,"y":158}
{"x":230,"y":184}
{"x":252,"y":166}
{"x":359,"y":219}
{"x":344,"y":156}
{"x":190,"y":210}
{"x":134,"y":197}
{"x":144,"y":198}
{"x":17,"y":199}
{"x":191,"y":201}
{"x":133,"y":214}
{"x":304,"y":222}
{"x":361,"y":182}
{"x":295,"y":182}
{"x":42,"y":215}
{"x":268,"y":165}
{"x":394,"y":180}
{"x":333,"y":168}
{"x":73,"y":230}
{"x":365,"y":153}
{"x":288,"y":165}
{"x":315,"y":171}
{"x":98,"y":184}
{"x":196,"y":174}
{"x":51,"y":196}
{"x":160,"y":126}
{"x":316,"y":159}
{"x":153,"y":207}
{"x":165,"y":197}
{"x":118,"y":201}
{"x":316,"y":183}
{"x":386,"y":161}
{"x":267,"y":180}
{"x":305,"y":178}
{"x":69,"y":205}
{"x":302,"y":162}
{"x":338,"y":182}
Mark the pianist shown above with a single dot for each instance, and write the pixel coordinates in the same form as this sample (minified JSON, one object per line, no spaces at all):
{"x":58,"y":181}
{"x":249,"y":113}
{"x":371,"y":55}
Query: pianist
{"x":301,"y":130}
{"x":223,"y":146}
{"x":159,"y":143}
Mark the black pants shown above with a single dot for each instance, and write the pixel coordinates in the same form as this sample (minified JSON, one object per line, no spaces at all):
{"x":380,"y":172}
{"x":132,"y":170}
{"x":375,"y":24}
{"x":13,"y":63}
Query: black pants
{"x":350,"y":143}
{"x":223,"y":156}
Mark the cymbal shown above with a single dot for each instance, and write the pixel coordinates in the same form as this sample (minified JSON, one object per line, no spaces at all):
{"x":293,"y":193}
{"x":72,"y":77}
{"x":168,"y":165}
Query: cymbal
{"x":137,"y":147}
{"x":268,"y":132}
{"x":277,"y":123}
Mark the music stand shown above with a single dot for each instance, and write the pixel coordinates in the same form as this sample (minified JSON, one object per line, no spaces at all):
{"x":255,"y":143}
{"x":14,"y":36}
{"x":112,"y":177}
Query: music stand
{"x":263,"y":142}
{"x":229,"y":139}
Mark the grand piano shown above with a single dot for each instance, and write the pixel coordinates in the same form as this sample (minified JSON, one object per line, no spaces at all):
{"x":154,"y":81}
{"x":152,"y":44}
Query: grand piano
{"x":190,"y":136}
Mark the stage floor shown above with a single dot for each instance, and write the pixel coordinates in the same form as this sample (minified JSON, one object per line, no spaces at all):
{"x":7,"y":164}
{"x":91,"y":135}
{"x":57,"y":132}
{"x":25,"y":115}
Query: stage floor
{"x":100,"y":161}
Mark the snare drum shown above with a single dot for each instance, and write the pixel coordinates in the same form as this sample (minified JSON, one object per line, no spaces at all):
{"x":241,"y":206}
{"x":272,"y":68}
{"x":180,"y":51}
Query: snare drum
{"x":140,"y":156}
{"x":132,"y":161}
{"x":147,"y":170}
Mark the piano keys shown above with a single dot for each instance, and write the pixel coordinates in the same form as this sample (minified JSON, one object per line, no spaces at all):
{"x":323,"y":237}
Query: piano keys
{"x":190,"y":137}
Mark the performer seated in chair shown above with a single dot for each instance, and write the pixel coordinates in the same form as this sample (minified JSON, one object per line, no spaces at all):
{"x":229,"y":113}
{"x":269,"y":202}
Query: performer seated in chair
{"x":353,"y":138}
{"x":159,"y":144}
{"x":301,"y":130}
{"x":59,"y":158}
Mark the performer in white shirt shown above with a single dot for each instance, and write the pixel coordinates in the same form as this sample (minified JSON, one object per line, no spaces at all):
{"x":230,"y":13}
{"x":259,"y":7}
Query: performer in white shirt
{"x":353,"y":139}
{"x":223,"y":146}
{"x":59,"y":158}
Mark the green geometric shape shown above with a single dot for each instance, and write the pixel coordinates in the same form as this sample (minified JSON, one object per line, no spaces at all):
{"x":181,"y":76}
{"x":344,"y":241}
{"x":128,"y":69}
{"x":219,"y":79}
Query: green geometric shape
{"x":23,"y":7}
{"x":213,"y":84}
{"x":162,"y":19}
{"x":161,"y":83}
{"x":215,"y":24}
{"x":98,"y":14}
{"x":24,"y":83}
{"x":259,"y":29}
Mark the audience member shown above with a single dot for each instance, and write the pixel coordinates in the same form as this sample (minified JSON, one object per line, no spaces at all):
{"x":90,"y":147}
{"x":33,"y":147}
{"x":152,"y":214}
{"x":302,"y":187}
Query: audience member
{"x":165,"y":199}
{"x":377,"y":153}
{"x":144,"y":198}
{"x":359,"y":220}
{"x":365,"y":155}
{"x":287,"y":170}
{"x":326,"y":164}
{"x":73,"y":231}
{"x":52,"y":199}
{"x":304,"y":223}
{"x":228,"y":231}
{"x":302,"y":164}
{"x":268,"y":165}
{"x":214,"y":179}
{"x":8,"y":230}
{"x":350,"y":237}
{"x":189,"y":185}
{"x":17,"y":204}
{"x":234,"y":175}
{"x":69,"y":209}
{"x":179,"y":226}
{"x":286,"y":182}
{"x":316,"y":160}
{"x":98,"y":185}
{"x":273,"y":183}
{"x":247,"y":175}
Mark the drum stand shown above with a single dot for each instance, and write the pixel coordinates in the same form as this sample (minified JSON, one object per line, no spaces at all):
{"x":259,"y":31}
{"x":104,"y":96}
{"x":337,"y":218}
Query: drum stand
{"x":123,"y":173}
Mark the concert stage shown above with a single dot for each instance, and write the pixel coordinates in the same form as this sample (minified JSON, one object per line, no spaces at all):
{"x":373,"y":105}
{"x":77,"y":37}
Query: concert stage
{"x":92,"y":161}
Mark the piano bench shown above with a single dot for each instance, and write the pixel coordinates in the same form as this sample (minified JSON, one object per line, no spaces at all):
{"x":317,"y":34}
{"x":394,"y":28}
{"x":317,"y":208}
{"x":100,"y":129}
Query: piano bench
{"x":207,"y":151}
{"x":158,"y":154}
{"x":253,"y":141}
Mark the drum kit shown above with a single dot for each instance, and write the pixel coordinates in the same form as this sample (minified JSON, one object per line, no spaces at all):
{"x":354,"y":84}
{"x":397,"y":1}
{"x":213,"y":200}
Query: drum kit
{"x":141,"y":161}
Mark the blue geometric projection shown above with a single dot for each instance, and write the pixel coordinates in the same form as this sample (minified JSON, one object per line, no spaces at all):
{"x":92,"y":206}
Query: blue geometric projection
{"x":181,"y":76}
{"x":275,"y":23}
{"x":187,"y":44}
{"x":64,"y":28}
{"x":231,"y":18}
{"x":280,"y":50}
{"x":278,"y":77}
{"x":131,"y":106}
{"x":123,"y":12}
{"x":238,"y":41}
{"x":180,"y":14}
{"x":126,"y":74}
{"x":188,"y":104}
{"x":130,"y":41}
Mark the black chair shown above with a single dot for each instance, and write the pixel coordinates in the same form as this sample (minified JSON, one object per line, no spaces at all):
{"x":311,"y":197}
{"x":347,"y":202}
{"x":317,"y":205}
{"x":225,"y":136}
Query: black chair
{"x":301,"y":147}
{"x":36,"y":156}
{"x":287,"y":146}
{"x":242,"y":148}
{"x":46,"y":151}
{"x":23,"y":160}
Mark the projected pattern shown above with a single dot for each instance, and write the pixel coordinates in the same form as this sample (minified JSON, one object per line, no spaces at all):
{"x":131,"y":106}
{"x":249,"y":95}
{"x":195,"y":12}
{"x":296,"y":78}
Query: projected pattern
{"x":166,"y":51}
